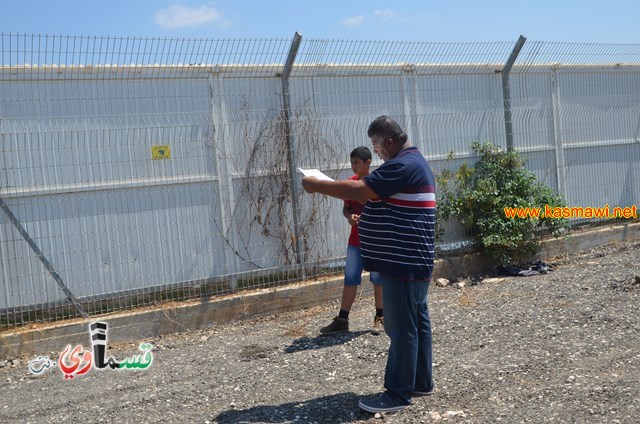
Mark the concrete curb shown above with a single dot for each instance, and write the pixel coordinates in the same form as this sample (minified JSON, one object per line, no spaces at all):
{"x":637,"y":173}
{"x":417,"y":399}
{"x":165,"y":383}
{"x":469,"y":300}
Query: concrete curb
{"x":187,"y":316}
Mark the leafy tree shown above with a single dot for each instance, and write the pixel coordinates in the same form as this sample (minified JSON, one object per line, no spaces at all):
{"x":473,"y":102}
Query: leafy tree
{"x":477,"y":195}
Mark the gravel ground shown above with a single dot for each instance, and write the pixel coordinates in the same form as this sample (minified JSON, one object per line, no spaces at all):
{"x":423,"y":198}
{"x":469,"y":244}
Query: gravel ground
{"x":562,"y":347}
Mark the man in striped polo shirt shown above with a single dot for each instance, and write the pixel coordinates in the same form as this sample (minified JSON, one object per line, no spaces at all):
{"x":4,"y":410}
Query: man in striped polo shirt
{"x":397,"y":232}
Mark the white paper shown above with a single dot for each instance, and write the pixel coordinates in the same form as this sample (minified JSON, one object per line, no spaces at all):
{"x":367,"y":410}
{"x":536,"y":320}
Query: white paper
{"x":315,"y":173}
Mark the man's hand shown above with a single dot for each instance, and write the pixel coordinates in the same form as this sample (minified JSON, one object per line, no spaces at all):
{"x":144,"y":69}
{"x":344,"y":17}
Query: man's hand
{"x":344,"y":189}
{"x":353,"y":219}
{"x":308,"y":184}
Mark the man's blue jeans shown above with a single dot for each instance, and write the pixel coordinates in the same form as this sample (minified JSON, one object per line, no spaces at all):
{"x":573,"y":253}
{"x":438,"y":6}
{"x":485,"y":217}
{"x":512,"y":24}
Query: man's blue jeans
{"x":407,"y":323}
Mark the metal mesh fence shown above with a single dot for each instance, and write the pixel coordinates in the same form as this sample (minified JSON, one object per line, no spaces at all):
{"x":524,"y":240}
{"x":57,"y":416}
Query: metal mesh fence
{"x":135,"y":171}
{"x":577,"y":118}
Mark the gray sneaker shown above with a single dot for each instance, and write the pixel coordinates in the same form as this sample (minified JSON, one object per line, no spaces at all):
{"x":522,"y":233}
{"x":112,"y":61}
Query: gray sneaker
{"x":337,"y":325}
{"x":378,"y":325}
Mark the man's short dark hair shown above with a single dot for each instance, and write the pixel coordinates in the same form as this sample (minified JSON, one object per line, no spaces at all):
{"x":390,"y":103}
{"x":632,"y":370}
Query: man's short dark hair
{"x":362,"y":153}
{"x":385,"y":128}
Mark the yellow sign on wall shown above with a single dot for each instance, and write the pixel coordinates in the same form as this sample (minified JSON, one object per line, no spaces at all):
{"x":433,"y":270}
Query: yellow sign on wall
{"x":160,"y":152}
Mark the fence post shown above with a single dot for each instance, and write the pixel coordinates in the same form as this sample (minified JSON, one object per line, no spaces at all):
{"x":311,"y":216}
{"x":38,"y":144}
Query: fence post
{"x":506,"y":93}
{"x":225,"y":179}
{"x":557,"y":133}
{"x":291,"y":148}
{"x":410,"y":102}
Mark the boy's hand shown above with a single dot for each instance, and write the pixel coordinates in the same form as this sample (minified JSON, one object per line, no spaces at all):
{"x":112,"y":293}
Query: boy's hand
{"x":353,"y":219}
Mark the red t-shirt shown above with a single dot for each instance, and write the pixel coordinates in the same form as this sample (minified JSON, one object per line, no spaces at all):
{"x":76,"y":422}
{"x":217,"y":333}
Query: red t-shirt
{"x":356,"y":208}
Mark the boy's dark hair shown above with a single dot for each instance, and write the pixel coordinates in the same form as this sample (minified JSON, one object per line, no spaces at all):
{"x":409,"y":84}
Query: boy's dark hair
{"x":385,"y":128}
{"x":362,"y":153}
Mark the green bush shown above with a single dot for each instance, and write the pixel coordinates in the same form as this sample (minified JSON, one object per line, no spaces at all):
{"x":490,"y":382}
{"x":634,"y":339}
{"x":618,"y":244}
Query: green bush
{"x":477,"y":196}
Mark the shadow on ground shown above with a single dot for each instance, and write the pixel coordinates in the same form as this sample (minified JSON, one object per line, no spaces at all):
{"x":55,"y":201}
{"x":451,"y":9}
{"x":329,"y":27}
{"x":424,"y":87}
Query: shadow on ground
{"x":338,"y":408}
{"x":319,"y":342}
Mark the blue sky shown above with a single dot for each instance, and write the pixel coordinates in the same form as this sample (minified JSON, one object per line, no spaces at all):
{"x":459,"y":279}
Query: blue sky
{"x":412,"y":20}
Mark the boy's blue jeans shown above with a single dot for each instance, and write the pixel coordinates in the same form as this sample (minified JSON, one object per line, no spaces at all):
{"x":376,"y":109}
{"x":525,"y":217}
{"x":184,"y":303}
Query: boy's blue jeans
{"x":353,"y":268}
{"x":406,"y":322}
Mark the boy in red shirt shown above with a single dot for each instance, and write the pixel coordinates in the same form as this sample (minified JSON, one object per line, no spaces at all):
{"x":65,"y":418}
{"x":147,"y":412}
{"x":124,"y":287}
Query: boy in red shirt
{"x":360,"y":161}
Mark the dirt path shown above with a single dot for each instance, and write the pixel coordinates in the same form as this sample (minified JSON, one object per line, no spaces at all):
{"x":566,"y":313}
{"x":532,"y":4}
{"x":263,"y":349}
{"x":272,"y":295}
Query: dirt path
{"x":562,"y":347}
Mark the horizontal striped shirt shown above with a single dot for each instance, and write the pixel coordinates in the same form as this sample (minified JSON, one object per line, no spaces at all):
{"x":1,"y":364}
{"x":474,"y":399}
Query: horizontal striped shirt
{"x":397,"y":229}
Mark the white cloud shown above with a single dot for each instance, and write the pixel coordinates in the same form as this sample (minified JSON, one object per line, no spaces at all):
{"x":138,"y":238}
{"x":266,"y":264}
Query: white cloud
{"x":354,"y":20}
{"x":182,"y":16}
{"x":385,"y":14}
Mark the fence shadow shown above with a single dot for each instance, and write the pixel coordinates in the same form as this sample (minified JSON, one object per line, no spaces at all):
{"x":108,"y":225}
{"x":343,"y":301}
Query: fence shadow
{"x":319,"y":342}
{"x":338,"y":408}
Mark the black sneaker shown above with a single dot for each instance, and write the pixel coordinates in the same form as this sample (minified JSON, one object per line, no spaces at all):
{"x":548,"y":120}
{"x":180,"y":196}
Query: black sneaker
{"x":337,"y":325}
{"x":378,"y":325}
{"x":381,"y":403}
